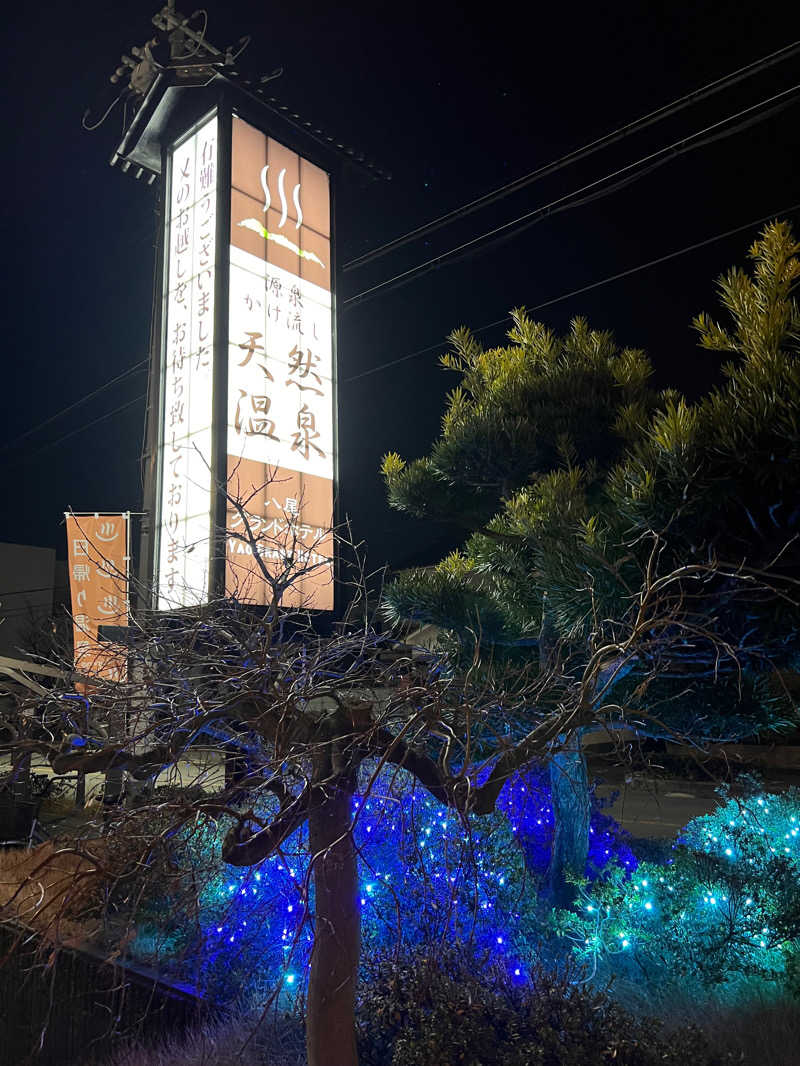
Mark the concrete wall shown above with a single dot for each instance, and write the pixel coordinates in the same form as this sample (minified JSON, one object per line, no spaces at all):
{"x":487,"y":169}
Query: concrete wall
{"x":26,"y":593}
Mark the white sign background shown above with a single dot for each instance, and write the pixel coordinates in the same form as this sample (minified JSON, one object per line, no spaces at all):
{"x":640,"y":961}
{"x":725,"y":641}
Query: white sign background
{"x":269,"y":307}
{"x":185,"y":443}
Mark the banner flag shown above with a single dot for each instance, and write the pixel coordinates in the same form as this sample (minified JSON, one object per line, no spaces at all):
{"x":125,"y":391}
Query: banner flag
{"x":97,"y":559}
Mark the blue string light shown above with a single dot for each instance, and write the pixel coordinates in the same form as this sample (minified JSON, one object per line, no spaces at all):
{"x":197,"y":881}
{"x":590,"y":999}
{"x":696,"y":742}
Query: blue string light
{"x":426,"y":876}
{"x":727,"y":904}
{"x":423,"y":872}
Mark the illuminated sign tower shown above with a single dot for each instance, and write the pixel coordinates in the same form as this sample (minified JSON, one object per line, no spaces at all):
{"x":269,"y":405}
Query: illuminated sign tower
{"x":246,"y":440}
{"x":241,"y":457}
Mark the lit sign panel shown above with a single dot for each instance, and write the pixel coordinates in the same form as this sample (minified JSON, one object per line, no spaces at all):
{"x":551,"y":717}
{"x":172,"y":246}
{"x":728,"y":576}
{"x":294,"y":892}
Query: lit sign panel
{"x":280,"y":438}
{"x":279,"y":434}
{"x":186,"y":380}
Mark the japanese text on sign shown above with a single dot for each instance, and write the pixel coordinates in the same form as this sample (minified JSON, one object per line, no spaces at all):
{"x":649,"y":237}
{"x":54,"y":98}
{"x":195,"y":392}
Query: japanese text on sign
{"x":281,"y":399}
{"x":184,"y":527}
{"x":98,"y":577}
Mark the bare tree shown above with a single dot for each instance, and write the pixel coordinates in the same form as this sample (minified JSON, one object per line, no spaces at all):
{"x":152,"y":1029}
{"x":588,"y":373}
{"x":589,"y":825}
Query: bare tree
{"x":306,"y":708}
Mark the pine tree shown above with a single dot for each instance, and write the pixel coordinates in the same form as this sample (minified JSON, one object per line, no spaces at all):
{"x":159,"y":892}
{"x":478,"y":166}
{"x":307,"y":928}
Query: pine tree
{"x":577,"y":483}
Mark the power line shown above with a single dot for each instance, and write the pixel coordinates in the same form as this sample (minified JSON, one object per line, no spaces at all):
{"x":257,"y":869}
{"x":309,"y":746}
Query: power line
{"x":150,"y":361}
{"x":142,"y":364}
{"x":646,"y":120}
{"x":25,"y":592}
{"x":641,"y":123}
{"x":488,"y":325}
{"x":71,"y":407}
{"x":87,"y":425}
{"x":587,"y":288}
{"x":29,"y":609}
{"x":566,"y":202}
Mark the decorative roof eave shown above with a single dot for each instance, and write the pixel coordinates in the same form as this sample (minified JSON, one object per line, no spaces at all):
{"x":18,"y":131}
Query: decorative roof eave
{"x":139,"y":151}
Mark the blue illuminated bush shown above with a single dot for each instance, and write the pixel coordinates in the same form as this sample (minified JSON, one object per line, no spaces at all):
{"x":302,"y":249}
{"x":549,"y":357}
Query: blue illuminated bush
{"x":727,"y":905}
{"x":526,"y":803}
{"x":426,"y":876}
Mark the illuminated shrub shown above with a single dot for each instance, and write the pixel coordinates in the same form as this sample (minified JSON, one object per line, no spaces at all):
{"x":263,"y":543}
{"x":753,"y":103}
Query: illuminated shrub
{"x":526,"y":803}
{"x":727,"y":905}
{"x":426,"y":877}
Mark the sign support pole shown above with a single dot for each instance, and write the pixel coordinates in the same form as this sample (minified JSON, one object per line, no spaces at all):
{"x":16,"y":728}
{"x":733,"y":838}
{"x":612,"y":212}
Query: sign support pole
{"x":219,"y":422}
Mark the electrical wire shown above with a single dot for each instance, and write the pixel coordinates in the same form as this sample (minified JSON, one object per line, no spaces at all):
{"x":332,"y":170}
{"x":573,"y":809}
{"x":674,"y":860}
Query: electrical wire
{"x":103,"y":117}
{"x":500,"y":321}
{"x":675,"y":149}
{"x":200,"y":42}
{"x":25,"y":592}
{"x":141,"y":365}
{"x":641,"y":123}
{"x":151,"y":360}
{"x":136,"y":368}
{"x":82,"y":428}
{"x":653,"y":160}
{"x":245,"y":41}
{"x":586,"y":288}
{"x":31,"y":610}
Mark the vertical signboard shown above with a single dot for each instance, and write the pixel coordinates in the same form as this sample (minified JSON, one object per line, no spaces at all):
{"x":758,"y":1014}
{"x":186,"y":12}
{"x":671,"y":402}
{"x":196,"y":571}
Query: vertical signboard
{"x":273,"y":292}
{"x":182,"y":554}
{"x":280,"y":435}
{"x":97,"y":558}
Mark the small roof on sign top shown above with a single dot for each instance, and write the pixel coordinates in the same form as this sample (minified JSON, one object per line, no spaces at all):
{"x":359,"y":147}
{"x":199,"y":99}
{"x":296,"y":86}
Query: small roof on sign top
{"x":180,"y":76}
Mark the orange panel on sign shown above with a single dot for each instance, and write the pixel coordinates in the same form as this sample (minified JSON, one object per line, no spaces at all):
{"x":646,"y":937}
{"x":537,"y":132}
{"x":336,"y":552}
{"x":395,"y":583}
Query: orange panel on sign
{"x":281,"y":437}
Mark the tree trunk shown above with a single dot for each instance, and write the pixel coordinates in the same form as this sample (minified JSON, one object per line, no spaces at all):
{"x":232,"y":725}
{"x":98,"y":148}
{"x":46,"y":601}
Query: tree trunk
{"x":21,"y":781}
{"x":114,"y":787}
{"x":569,"y":784}
{"x":235,"y":767}
{"x":330,"y":1021}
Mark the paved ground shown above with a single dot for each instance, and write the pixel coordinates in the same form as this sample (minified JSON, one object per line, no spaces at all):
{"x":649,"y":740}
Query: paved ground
{"x":658,"y":808}
{"x":648,"y":807}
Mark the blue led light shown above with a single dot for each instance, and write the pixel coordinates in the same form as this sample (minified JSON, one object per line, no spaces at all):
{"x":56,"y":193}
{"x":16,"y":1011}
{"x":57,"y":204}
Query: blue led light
{"x":419,"y":864}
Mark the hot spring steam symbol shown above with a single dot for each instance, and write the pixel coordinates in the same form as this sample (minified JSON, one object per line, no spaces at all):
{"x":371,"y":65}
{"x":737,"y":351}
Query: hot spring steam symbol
{"x":279,"y":238}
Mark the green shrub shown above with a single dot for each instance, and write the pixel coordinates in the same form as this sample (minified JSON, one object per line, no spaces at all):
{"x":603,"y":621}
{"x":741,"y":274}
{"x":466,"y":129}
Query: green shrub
{"x":725,"y":907}
{"x":448,"y":1008}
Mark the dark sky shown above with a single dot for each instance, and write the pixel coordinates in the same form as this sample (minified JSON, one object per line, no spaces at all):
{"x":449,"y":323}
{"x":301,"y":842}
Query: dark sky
{"x":454,"y":100}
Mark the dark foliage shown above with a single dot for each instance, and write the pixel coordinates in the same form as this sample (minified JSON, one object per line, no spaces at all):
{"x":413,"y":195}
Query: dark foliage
{"x":448,"y":1008}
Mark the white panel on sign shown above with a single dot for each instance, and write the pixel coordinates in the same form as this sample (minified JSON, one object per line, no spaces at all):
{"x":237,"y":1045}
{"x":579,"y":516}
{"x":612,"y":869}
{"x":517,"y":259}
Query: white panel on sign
{"x":279,"y":384}
{"x":186,"y":377}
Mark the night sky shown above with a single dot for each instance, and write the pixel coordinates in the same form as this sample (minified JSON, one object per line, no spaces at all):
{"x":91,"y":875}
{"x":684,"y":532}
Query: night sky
{"x":454,"y":101}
